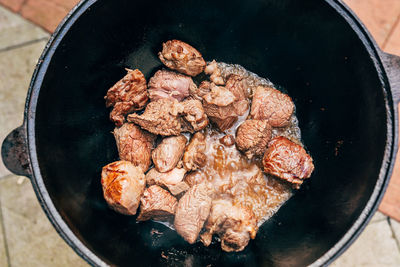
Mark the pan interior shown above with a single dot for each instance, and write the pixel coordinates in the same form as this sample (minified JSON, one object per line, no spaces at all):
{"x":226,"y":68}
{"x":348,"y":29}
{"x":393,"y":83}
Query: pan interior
{"x":304,"y":46}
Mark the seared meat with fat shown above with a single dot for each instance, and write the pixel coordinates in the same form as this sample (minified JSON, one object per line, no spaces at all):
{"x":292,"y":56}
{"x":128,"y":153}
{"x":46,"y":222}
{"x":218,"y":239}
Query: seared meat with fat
{"x":271,"y":105}
{"x":170,"y":117}
{"x":157,"y":204}
{"x":194,"y":178}
{"x":193,"y":210}
{"x":238,"y":87}
{"x":182,"y":57}
{"x":169,"y":84}
{"x":173,"y":180}
{"x":213,"y":70}
{"x":127,"y":95}
{"x":252,"y":137}
{"x":134,"y":145}
{"x":123,"y":184}
{"x":234,"y":224}
{"x":288,"y":160}
{"x":227,"y":140}
{"x":218,"y":105}
{"x":203,"y":89}
{"x":168,"y":153}
{"x":194,"y":157}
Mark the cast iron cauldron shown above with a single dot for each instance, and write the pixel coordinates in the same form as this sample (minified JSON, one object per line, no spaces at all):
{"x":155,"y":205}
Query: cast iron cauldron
{"x":345,"y":90}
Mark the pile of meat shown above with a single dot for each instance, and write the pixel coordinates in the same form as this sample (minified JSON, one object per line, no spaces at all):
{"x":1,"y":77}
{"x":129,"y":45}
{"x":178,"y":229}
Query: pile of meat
{"x":203,"y":156}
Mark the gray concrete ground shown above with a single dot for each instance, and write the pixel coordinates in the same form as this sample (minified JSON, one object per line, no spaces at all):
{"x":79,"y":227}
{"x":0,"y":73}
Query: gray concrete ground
{"x":26,"y":236}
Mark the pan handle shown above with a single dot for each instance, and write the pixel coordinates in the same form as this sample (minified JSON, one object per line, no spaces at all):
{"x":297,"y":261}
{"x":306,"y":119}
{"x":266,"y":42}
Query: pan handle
{"x":392,"y":65}
{"x":14,"y":152}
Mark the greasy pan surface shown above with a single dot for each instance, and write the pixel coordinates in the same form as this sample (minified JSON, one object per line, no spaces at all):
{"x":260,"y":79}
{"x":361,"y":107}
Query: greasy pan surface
{"x":304,"y":46}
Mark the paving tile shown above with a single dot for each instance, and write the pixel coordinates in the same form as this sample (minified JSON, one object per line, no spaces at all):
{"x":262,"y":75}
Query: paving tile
{"x":14,"y":5}
{"x":378,"y":216}
{"x":393,"y":44}
{"x":3,"y":254}
{"x":396,"y":230}
{"x":44,"y":13}
{"x":376,"y":246}
{"x":16,"y":68}
{"x":15,"y":30}
{"x":377,"y":15}
{"x":31,"y":237}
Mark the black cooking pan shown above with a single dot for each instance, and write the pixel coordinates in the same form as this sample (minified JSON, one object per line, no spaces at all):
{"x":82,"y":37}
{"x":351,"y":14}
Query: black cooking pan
{"x":345,"y":90}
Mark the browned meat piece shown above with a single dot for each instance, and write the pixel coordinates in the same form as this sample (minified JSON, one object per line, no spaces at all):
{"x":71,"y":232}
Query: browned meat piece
{"x":160,"y":117}
{"x":203,"y":89}
{"x":157,"y":204}
{"x":192,"y":212}
{"x":123,"y":184}
{"x":252,"y":137}
{"x":127,"y":95}
{"x":218,"y":105}
{"x":238,"y":87}
{"x":170,"y":117}
{"x":288,"y":161}
{"x":168,"y":153}
{"x":235,"y":225}
{"x":182,"y":57}
{"x":194,"y":157}
{"x":271,"y":105}
{"x":169,"y":84}
{"x":194,"y":178}
{"x":134,"y":145}
{"x":214,"y":72}
{"x":173,"y":180}
{"x":227,"y":140}
{"x":194,"y":117}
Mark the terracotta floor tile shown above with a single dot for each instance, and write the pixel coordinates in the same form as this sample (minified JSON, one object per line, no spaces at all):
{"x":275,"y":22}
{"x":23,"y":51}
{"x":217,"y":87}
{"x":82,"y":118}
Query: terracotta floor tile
{"x":44,"y":13}
{"x":378,"y":16}
{"x":393,"y":43}
{"x":14,"y":5}
{"x":68,"y":4}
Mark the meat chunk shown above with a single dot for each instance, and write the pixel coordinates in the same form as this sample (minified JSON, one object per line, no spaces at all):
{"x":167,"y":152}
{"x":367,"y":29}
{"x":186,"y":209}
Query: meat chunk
{"x":123,"y":184}
{"x":173,"y":180}
{"x":194,"y":117}
{"x":235,"y":225}
{"x":168,"y":153}
{"x":194,"y":157}
{"x":194,"y":178}
{"x":218,"y":105}
{"x":271,"y":105}
{"x":134,"y":145}
{"x":288,"y":161}
{"x":203,"y":89}
{"x":192,"y":211}
{"x":182,"y":57}
{"x":157,"y":204}
{"x":227,"y":140}
{"x":127,"y":95}
{"x":169,"y":84}
{"x":252,"y":137}
{"x":170,"y":117}
{"x":213,"y":70}
{"x":236,"y":84}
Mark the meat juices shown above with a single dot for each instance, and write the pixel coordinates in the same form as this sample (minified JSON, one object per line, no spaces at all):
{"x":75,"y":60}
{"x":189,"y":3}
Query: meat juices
{"x":182,"y":57}
{"x":134,"y":145}
{"x":169,"y":84}
{"x":288,"y":161}
{"x":123,"y":184}
{"x":271,"y":105}
{"x":157,"y":204}
{"x":127,"y":95}
{"x":252,"y":137}
{"x":170,"y":117}
{"x":192,"y":211}
{"x":168,"y":153}
{"x":194,"y":157}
